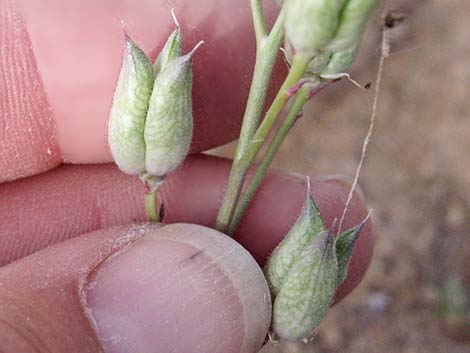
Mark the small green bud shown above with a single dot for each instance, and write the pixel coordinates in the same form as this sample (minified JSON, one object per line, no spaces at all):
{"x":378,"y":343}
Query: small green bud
{"x":170,"y":51}
{"x":130,"y":104}
{"x":311,"y":24}
{"x":307,"y":291}
{"x":352,"y":24}
{"x":169,"y":124}
{"x":345,"y":244}
{"x":308,"y":224}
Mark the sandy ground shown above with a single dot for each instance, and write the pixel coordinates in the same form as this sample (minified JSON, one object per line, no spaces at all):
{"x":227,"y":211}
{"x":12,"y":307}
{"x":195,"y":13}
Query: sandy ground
{"x":416,"y":177}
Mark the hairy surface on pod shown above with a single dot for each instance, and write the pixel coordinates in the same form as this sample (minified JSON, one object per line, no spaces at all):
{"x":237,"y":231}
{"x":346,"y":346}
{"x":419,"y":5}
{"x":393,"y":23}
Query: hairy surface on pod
{"x":352,"y":24}
{"x":129,"y":110}
{"x":311,"y":24}
{"x":308,"y":225}
{"x":171,"y":50}
{"x":169,"y":125}
{"x":307,"y":291}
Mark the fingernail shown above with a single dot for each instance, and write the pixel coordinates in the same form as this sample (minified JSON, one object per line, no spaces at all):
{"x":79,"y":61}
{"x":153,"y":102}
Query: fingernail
{"x":181,"y":288}
{"x":345,"y":180}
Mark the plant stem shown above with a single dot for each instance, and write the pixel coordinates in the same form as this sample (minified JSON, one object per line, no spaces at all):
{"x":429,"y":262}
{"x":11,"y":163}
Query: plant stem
{"x":151,"y":206}
{"x":266,"y":54}
{"x":300,"y":99}
{"x":296,"y":72}
{"x":265,"y":58}
{"x":243,"y":161}
{"x":259,"y":22}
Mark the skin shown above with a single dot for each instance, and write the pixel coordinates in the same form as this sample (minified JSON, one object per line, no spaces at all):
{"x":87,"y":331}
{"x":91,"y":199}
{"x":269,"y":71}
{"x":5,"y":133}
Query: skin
{"x":64,"y":284}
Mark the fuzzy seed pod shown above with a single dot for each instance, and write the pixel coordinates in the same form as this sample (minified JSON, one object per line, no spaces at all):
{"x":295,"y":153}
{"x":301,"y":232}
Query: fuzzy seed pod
{"x":311,"y":24}
{"x":304,"y":271}
{"x":170,"y":51}
{"x":352,"y":24}
{"x":304,"y":229}
{"x":307,"y":291}
{"x":169,"y":125}
{"x":129,"y":110}
{"x":150,"y":125}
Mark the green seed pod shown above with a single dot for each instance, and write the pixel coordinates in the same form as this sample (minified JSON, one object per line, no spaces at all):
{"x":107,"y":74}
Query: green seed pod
{"x":352,"y":24}
{"x":169,"y":125}
{"x":129,"y":110}
{"x":308,"y":224}
{"x":341,"y":61}
{"x":311,"y":24}
{"x":345,"y":244}
{"x":307,"y":291}
{"x":170,"y":51}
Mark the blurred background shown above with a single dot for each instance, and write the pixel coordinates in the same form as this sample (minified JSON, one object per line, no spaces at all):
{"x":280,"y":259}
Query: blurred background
{"x":416,"y":178}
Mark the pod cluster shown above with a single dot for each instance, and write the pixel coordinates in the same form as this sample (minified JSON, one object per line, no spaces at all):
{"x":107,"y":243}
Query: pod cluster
{"x":328,"y":32}
{"x":151,"y":125}
{"x":304,"y":272}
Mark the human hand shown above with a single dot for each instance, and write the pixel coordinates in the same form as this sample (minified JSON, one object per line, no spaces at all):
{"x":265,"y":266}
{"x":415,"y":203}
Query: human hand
{"x":131,"y":288}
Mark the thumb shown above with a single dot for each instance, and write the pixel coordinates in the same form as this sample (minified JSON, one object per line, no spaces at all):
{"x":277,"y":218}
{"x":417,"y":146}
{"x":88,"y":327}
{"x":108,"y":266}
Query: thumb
{"x":141,"y":288}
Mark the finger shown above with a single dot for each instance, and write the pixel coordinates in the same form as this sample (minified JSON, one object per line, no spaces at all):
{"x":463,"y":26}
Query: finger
{"x":180,"y":288}
{"x":27,"y":131}
{"x":70,"y":201}
{"x":78,"y":46}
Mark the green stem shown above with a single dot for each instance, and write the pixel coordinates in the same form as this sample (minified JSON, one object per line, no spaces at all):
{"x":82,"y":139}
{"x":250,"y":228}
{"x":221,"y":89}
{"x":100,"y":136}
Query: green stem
{"x":299,"y":66}
{"x":242,"y":163}
{"x":266,"y":54}
{"x":152,"y":184}
{"x":299,"y":101}
{"x":265,"y":58}
{"x":259,"y":22}
{"x":151,"y":206}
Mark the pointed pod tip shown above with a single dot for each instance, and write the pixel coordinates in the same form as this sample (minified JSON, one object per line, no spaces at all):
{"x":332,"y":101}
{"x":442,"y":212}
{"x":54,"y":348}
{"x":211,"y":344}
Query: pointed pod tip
{"x":308,"y":197}
{"x":122,"y":24}
{"x":129,"y":42}
{"x":126,"y":35}
{"x":364,"y":221}
{"x":196,"y":47}
{"x":175,"y":19}
{"x":129,"y":45}
{"x":125,"y":31}
{"x":309,"y":186}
